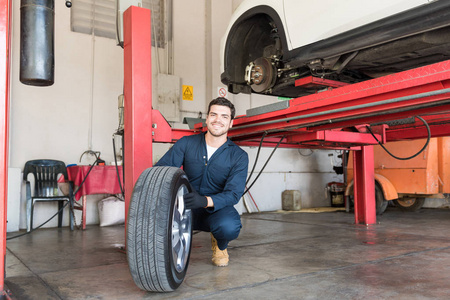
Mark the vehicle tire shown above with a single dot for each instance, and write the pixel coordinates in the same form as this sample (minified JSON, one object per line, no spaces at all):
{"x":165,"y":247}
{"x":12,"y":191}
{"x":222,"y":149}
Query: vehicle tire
{"x":381,"y":203}
{"x":379,"y":199}
{"x":159,"y":229}
{"x":410,"y":204}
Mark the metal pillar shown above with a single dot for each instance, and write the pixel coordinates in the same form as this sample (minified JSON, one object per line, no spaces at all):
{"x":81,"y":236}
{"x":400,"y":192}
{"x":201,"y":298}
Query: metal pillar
{"x":364,"y":186}
{"x":138,"y":96}
{"x":5,"y":6}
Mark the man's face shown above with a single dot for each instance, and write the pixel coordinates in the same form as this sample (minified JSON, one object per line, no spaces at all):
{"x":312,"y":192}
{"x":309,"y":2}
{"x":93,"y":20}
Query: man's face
{"x":219,"y":120}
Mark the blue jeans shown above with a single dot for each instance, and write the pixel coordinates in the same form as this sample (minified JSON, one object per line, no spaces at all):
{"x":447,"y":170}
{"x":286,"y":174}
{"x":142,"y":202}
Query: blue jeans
{"x":224,"y":224}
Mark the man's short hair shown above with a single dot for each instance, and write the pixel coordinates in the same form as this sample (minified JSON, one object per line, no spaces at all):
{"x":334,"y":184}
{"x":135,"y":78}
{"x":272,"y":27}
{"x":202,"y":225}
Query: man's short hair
{"x":224,"y":102}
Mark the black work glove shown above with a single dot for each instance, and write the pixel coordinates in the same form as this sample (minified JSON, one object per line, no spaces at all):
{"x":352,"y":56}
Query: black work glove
{"x":194,"y":200}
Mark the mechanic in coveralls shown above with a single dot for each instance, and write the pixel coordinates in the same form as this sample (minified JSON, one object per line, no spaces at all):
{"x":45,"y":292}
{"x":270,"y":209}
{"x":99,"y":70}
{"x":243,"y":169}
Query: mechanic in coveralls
{"x":217,"y":170}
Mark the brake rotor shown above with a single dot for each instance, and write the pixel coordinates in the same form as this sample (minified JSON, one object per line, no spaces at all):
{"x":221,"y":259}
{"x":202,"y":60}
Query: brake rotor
{"x":261,"y":74}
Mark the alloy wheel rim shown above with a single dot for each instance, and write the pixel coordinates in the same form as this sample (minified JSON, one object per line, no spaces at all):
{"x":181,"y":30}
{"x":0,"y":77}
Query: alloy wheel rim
{"x":181,"y":230}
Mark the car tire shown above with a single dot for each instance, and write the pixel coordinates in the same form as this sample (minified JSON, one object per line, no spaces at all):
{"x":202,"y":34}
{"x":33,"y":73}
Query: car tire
{"x":410,"y":204}
{"x":381,"y":203}
{"x":159,"y":229}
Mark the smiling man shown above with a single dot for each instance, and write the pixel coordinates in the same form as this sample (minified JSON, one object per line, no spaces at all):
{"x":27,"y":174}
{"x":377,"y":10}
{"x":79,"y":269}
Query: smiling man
{"x":217,"y":170}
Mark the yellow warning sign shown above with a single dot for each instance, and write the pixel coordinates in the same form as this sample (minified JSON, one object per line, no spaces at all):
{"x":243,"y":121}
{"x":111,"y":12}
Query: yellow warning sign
{"x":188,"y":92}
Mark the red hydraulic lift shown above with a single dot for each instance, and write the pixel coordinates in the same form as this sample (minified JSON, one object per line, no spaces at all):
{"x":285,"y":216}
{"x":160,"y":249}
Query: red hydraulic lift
{"x":334,"y":119}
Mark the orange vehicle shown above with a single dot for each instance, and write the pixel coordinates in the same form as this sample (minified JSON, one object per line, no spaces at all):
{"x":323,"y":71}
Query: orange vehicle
{"x":408,"y":182}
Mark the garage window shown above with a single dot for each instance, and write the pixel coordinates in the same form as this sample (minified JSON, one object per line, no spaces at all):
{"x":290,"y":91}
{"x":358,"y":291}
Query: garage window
{"x":98,"y":17}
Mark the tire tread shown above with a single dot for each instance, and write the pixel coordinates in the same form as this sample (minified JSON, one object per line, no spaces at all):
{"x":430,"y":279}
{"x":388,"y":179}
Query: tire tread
{"x":148,"y":230}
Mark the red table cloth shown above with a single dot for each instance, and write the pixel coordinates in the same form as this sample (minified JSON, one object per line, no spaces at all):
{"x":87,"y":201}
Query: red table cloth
{"x":101,"y":180}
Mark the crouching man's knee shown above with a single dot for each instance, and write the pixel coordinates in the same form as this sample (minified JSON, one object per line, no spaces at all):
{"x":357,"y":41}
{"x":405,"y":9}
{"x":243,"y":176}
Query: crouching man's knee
{"x":227,"y":224}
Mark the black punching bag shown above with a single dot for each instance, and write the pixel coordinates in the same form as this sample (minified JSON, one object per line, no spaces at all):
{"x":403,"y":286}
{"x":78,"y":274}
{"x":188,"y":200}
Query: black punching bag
{"x":37,"y":27}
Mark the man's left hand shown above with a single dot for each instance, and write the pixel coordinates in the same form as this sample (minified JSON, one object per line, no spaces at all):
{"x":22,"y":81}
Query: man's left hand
{"x":195,"y":200}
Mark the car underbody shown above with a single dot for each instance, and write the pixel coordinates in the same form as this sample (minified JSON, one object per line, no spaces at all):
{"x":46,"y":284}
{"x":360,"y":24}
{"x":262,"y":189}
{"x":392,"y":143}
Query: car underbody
{"x":256,"y":59}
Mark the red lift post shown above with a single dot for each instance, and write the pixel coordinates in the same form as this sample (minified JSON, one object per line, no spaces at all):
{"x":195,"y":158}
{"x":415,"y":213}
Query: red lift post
{"x":333,"y":119}
{"x":5,"y":17}
{"x":138,"y":96}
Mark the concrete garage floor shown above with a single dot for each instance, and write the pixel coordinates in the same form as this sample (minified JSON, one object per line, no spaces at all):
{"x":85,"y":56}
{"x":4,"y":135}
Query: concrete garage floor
{"x":277,"y":256}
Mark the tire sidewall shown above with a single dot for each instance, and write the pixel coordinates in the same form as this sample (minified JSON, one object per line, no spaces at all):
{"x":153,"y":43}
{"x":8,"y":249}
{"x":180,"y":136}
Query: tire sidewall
{"x":176,"y":277}
{"x":381,"y":203}
{"x":149,"y":229}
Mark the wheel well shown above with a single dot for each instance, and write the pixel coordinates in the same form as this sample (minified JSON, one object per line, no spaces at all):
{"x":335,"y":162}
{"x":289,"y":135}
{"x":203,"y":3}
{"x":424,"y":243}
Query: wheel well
{"x":257,"y":33}
{"x":349,"y":189}
{"x":389,"y":191}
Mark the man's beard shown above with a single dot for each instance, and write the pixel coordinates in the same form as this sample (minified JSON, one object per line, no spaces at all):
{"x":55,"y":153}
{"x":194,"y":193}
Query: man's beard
{"x":218,"y":133}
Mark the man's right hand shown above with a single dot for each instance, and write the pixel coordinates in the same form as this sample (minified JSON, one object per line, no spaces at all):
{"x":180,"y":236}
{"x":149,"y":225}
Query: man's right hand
{"x":194,"y":200}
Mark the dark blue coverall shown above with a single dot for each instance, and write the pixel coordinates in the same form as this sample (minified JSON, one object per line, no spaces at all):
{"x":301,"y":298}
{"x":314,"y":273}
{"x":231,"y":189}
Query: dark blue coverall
{"x":222,"y":178}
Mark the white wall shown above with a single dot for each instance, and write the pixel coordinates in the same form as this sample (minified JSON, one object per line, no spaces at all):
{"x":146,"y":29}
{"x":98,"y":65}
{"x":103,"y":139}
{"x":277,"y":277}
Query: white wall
{"x":13,"y":205}
{"x":55,"y":122}
{"x":189,"y":50}
{"x":290,"y":169}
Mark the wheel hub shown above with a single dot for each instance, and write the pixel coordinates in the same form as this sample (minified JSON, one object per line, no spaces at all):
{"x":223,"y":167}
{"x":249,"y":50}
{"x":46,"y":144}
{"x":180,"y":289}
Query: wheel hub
{"x":407,"y":201}
{"x":181,"y":231}
{"x":260,"y":74}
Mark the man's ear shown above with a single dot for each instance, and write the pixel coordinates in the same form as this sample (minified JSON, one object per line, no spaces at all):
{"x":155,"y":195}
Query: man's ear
{"x":231,"y":124}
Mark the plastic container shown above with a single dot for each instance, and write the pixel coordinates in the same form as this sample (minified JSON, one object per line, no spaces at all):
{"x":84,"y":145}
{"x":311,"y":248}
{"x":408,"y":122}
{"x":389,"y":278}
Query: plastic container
{"x":291,"y":200}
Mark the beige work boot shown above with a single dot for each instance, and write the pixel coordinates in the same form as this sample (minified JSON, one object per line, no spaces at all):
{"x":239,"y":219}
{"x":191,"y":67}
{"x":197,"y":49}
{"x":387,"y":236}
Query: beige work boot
{"x":220,"y":257}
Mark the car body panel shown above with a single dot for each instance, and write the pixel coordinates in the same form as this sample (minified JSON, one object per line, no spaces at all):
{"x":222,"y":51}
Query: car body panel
{"x":308,"y":22}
